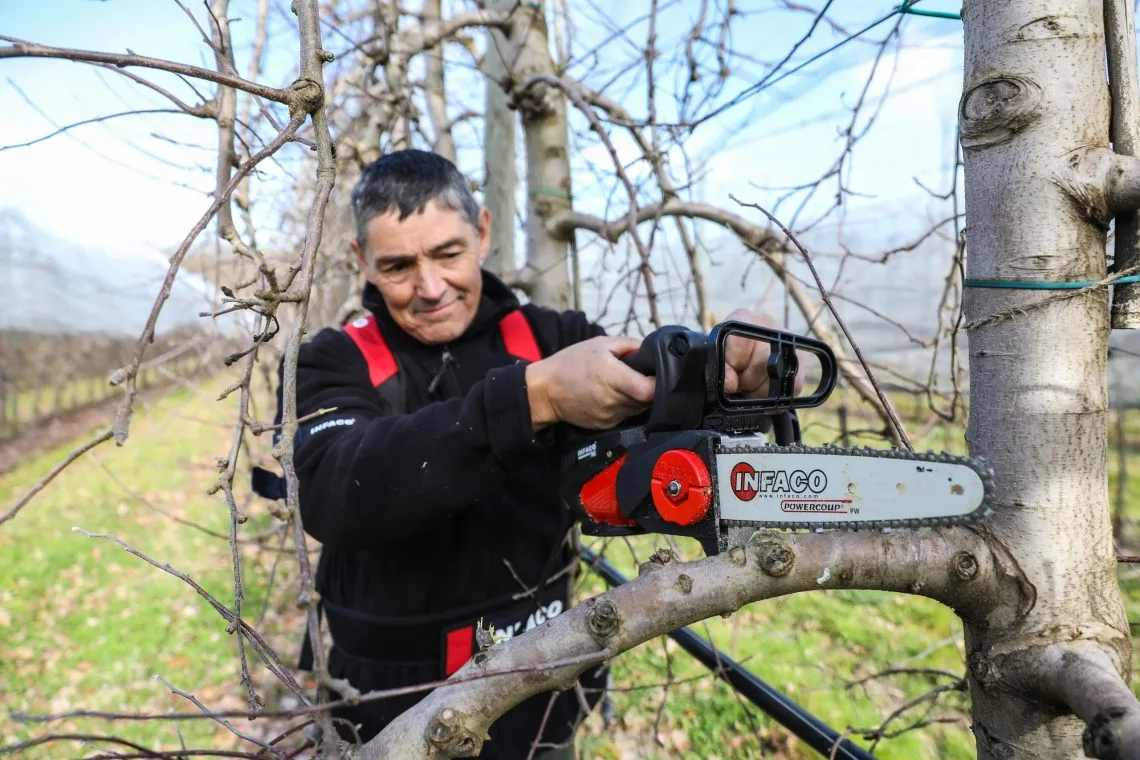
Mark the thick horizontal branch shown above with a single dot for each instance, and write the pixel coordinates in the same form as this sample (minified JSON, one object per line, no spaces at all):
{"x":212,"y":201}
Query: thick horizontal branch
{"x":433,"y":34}
{"x":955,"y":566}
{"x":416,"y":39}
{"x":1085,"y":677}
{"x":563,"y":224}
{"x":24,"y":49}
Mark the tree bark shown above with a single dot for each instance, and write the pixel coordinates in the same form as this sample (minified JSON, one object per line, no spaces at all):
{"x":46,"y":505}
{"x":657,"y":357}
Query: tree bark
{"x":1034,"y":99}
{"x":435,"y":89}
{"x":547,"y":139}
{"x":1120,"y":39}
{"x":501,"y":179}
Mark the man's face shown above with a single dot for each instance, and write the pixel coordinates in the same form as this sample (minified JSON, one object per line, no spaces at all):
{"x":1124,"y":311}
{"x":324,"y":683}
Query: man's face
{"x":427,"y":268}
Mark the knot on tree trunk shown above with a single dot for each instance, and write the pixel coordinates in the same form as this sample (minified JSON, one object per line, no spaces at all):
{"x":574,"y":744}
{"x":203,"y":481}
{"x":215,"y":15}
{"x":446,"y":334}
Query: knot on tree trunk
{"x":995,"y":109}
{"x":305,"y":96}
{"x":774,"y":552}
{"x":534,"y":98}
{"x":602,"y":619}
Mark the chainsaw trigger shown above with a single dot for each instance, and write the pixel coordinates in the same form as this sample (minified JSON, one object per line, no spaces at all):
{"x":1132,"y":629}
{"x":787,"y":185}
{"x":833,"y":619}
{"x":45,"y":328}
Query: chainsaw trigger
{"x":681,"y":487}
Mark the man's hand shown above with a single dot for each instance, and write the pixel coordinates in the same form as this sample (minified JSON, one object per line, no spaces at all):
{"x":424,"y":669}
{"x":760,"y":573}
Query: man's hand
{"x":746,"y":360}
{"x":587,"y":385}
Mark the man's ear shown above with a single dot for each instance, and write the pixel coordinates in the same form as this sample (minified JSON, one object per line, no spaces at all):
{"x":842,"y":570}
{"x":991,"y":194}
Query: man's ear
{"x":355,"y":246}
{"x":484,"y":234}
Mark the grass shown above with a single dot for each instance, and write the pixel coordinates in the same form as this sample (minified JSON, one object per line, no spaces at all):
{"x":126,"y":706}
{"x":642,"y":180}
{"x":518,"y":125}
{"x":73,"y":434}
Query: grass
{"x":85,"y":625}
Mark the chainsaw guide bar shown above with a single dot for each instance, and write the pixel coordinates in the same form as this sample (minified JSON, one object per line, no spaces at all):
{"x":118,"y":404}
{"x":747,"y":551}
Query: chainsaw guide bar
{"x":963,"y":479}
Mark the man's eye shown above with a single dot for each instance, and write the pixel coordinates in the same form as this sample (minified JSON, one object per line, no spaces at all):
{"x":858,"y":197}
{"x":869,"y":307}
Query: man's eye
{"x":393,"y":268}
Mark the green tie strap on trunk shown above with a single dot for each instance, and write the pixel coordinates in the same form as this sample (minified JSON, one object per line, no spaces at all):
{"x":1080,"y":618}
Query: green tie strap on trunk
{"x":909,"y":8}
{"x":1038,"y":285}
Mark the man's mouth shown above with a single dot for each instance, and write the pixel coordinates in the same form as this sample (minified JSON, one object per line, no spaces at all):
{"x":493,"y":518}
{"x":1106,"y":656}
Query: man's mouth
{"x":436,"y":310}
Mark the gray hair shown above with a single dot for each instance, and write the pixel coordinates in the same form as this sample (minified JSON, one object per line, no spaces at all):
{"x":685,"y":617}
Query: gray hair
{"x":407,"y":180}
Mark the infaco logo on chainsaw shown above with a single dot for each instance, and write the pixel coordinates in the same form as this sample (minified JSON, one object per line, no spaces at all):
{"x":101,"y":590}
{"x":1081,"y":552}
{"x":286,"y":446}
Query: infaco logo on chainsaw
{"x":703,"y":464}
{"x":747,"y":482}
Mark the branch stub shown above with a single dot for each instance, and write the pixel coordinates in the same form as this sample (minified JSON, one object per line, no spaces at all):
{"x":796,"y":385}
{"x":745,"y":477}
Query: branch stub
{"x":602,"y":619}
{"x":774,"y":552}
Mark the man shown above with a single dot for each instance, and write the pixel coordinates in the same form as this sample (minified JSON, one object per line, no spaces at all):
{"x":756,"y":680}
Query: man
{"x":432,"y":486}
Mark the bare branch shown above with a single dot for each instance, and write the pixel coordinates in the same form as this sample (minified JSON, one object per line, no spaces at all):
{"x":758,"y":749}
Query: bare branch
{"x":221,"y":721}
{"x":631,"y":216}
{"x":23,"y":49}
{"x":202,"y":113}
{"x":261,"y":646}
{"x":121,"y":426}
{"x":42,"y":483}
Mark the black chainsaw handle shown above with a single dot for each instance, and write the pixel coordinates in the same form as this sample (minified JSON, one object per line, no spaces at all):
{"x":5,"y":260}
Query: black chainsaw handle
{"x":689,"y":368}
{"x":783,"y":365}
{"x":677,"y":358}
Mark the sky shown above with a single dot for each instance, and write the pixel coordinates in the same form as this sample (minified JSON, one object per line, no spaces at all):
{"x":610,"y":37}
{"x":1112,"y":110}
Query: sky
{"x":123,"y":191}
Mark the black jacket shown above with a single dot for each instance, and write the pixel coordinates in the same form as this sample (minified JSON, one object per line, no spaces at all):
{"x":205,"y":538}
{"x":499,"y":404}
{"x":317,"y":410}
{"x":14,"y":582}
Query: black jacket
{"x":438,"y":497}
{"x":443,"y":506}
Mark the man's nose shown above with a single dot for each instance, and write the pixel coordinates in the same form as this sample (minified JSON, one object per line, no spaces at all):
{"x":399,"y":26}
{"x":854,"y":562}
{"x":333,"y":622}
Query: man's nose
{"x":431,"y":286}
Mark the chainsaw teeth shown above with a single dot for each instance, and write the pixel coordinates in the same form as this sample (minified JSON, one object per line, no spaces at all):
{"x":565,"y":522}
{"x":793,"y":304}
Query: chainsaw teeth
{"x":975,"y":464}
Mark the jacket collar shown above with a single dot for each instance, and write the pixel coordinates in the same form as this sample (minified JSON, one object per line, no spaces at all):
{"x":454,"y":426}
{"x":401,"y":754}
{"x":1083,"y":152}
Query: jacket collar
{"x":496,"y":301}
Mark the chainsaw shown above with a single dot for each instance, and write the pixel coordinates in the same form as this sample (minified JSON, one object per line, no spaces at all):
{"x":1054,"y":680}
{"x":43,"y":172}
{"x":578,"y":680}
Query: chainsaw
{"x":706,"y":464}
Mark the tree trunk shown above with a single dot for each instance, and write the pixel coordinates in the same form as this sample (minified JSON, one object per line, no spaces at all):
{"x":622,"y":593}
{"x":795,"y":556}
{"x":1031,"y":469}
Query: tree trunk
{"x":547,"y":162}
{"x":435,"y":90}
{"x":1035,"y":96}
{"x":501,"y":180}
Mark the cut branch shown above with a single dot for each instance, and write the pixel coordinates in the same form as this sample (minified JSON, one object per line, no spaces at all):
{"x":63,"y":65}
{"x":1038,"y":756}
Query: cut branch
{"x":1083,"y":676}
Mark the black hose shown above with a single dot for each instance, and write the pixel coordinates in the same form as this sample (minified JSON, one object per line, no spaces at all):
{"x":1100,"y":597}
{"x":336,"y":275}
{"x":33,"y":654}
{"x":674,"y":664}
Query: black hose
{"x":814,"y":732}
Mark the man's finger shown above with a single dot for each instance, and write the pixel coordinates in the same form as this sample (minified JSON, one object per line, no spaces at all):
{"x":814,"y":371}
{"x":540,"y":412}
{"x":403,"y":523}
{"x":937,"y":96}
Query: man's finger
{"x":634,"y":386}
{"x":620,"y":345}
{"x":738,"y":351}
{"x":731,"y":380}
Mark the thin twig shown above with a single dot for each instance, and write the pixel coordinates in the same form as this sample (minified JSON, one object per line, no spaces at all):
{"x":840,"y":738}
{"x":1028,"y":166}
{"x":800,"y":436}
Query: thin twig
{"x":95,"y":120}
{"x":143,"y":751}
{"x":43,"y":482}
{"x":222,"y":721}
{"x":264,"y":650}
{"x":842,"y":325}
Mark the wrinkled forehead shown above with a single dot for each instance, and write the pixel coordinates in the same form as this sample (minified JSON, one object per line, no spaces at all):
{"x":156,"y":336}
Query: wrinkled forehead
{"x":417,"y":233}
